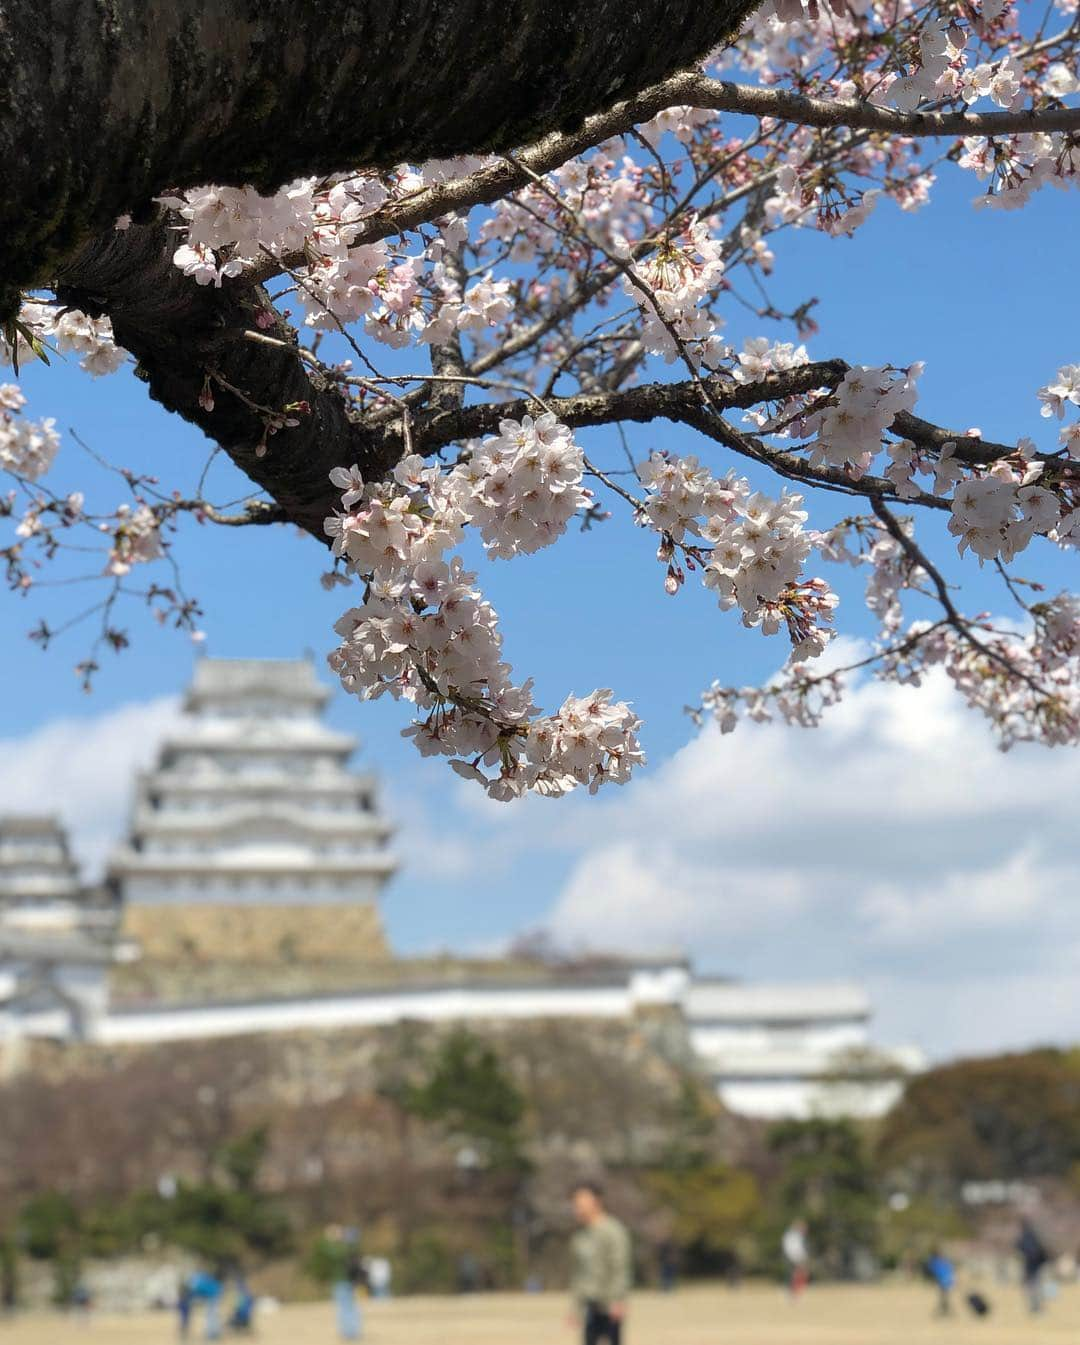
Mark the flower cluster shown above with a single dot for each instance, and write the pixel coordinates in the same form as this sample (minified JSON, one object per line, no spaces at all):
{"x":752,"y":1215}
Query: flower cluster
{"x":760,"y":357}
{"x":426,"y":634}
{"x":604,"y":193}
{"x":389,"y":529}
{"x":682,"y":493}
{"x":485,"y":304}
{"x":591,"y":740}
{"x":69,"y":331}
{"x":1014,"y":167}
{"x":1024,"y":684}
{"x":432,"y":639}
{"x":996,"y":515}
{"x":793,"y":696}
{"x":678,"y":277}
{"x":91,"y":339}
{"x":1055,"y":397}
{"x":241,"y":222}
{"x":27,"y":448}
{"x":940,"y":46}
{"x":759,"y":547}
{"x":135,"y":538}
{"x":867,"y":401}
{"x":521,"y":487}
{"x":341,"y":290}
{"x":399,"y":298}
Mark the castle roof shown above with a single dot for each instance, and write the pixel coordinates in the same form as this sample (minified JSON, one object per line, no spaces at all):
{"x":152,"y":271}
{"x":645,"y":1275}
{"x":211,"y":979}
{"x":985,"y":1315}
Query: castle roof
{"x":223,"y":682}
{"x":733,"y":1001}
{"x":32,"y":824}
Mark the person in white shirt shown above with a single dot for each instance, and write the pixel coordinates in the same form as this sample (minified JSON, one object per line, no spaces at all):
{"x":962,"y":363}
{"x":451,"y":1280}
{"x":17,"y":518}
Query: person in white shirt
{"x":797,"y":1256}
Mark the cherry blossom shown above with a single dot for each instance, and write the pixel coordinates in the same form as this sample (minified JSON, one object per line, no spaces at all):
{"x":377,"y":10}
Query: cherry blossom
{"x":849,"y":432}
{"x":27,"y":448}
{"x":541,"y":302}
{"x":64,"y":330}
{"x":521,"y":487}
{"x":135,"y":539}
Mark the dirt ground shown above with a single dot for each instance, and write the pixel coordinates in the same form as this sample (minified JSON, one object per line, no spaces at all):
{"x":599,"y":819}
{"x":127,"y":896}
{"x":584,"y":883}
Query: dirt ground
{"x":753,"y":1315}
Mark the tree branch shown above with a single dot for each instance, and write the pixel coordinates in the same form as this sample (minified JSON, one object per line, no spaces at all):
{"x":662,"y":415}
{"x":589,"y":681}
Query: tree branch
{"x":953,"y":617}
{"x":782,"y":105}
{"x":682,"y":403}
{"x":256,"y":513}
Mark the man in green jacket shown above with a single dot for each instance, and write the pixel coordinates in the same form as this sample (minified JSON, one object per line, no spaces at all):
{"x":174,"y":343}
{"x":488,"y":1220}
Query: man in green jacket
{"x":601,"y":1268}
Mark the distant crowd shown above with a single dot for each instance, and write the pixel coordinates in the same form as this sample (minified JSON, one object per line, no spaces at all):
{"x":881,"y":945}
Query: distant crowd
{"x":217,"y":1299}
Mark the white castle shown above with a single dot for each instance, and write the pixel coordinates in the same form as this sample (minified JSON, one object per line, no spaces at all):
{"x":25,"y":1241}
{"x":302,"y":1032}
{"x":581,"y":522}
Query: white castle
{"x":251,"y":810}
{"x":244,"y":900}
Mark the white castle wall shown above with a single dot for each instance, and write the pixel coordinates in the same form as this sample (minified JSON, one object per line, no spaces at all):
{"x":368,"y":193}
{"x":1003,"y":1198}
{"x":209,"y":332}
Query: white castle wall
{"x":800,"y":1098}
{"x":364,"y":1010}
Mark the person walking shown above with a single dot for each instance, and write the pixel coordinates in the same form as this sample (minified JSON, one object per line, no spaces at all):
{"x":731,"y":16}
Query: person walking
{"x":601,"y":1267}
{"x":206,"y":1286}
{"x":1033,"y":1257}
{"x":379,"y":1275}
{"x":797,"y":1255}
{"x":943,"y":1273}
{"x":242,"y":1317}
{"x":185,"y":1300}
{"x":347,"y":1284}
{"x":667,"y":1261}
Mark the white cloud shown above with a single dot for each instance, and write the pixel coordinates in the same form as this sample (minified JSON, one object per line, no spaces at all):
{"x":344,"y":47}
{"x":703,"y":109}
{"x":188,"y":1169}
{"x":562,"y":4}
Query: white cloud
{"x":894,"y":844}
{"x":84,"y":770}
{"x":1017,"y":891}
{"x":645,"y":894}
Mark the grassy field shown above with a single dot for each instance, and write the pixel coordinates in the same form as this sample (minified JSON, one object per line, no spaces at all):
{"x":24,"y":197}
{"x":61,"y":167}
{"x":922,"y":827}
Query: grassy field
{"x":754,"y":1315}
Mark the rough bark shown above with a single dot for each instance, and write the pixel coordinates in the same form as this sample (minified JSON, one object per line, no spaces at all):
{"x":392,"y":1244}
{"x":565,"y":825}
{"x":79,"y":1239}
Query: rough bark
{"x":104,"y":103}
{"x":179,"y":332}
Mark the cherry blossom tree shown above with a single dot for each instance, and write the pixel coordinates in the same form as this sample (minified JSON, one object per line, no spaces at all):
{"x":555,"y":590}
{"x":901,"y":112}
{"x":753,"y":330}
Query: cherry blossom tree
{"x":407,"y":330}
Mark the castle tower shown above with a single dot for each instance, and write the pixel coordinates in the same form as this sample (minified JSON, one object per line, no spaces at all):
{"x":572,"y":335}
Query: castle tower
{"x":56,"y":937}
{"x":39,"y":881}
{"x":36,"y":868}
{"x":251,"y":842}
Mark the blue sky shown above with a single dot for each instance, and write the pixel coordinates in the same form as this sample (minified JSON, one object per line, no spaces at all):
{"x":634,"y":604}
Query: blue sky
{"x":988,"y":301}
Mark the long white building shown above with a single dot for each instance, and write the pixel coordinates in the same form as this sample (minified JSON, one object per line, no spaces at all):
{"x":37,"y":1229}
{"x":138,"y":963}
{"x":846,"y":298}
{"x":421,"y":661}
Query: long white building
{"x":792,"y":1049}
{"x":247,"y":893}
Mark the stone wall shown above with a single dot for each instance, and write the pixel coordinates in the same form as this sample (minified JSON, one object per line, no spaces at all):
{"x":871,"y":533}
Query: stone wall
{"x":122,"y":1284}
{"x":180,"y":979}
{"x":260,"y":936}
{"x":606,"y":1090}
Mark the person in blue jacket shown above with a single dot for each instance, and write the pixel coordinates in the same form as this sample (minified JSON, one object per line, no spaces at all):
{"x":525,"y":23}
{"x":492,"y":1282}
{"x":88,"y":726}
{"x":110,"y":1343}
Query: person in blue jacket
{"x":941,"y":1270}
{"x":206,"y":1286}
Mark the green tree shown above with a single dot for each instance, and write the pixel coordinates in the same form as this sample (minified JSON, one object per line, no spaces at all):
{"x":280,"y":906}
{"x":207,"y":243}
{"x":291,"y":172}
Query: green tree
{"x":1002,"y":1118}
{"x":713,"y":1209}
{"x":692,"y":1131}
{"x":826,"y":1178}
{"x":50,"y":1228}
{"x":228,"y":1218}
{"x":468,"y":1093}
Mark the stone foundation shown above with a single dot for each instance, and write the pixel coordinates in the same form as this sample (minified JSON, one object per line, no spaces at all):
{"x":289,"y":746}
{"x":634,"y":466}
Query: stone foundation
{"x":256,"y":935}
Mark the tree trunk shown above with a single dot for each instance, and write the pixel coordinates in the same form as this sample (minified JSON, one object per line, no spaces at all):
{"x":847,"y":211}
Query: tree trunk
{"x":104,"y":103}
